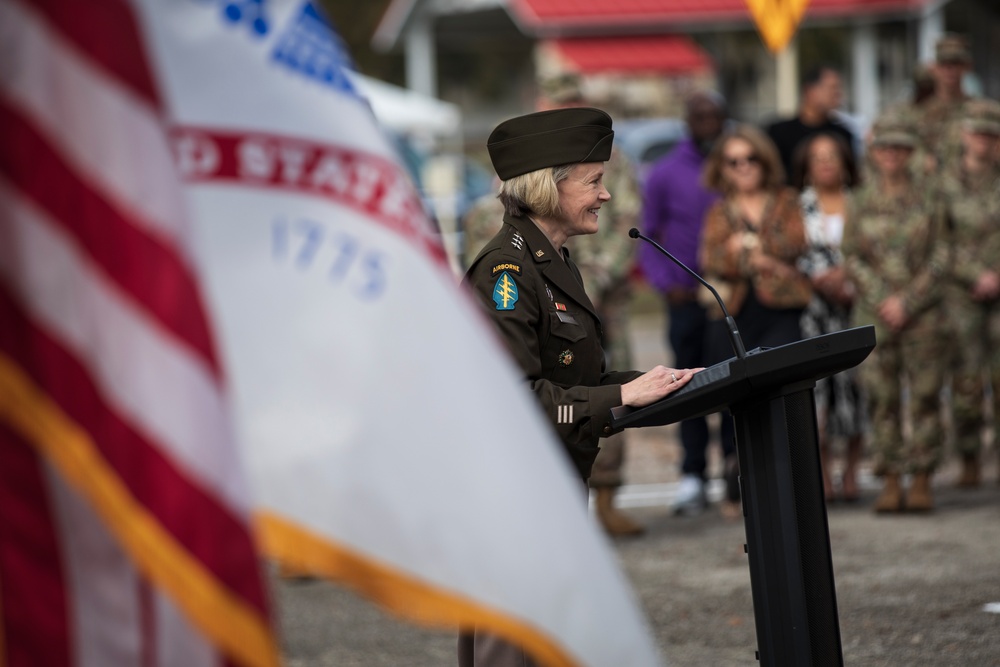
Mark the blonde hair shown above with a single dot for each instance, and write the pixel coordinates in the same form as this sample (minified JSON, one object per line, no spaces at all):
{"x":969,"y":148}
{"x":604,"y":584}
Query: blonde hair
{"x":535,"y":192}
{"x":763,"y":148}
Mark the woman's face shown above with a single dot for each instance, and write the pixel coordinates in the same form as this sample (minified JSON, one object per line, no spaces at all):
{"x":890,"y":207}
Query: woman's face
{"x":891,"y":160}
{"x":581,"y":195}
{"x":741,"y":166}
{"x":825,"y":168}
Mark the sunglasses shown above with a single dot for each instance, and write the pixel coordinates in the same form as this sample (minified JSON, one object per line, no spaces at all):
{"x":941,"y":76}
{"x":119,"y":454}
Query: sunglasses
{"x":734,"y":163}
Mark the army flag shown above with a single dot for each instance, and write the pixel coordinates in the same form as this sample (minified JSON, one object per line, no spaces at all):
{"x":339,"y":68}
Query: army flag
{"x":125,"y":514}
{"x":389,"y":442}
{"x":777,"y":20}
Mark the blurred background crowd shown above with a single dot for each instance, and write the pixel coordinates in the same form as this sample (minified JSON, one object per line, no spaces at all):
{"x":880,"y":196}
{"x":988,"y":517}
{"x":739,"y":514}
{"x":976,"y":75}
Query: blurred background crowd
{"x":851,"y":178}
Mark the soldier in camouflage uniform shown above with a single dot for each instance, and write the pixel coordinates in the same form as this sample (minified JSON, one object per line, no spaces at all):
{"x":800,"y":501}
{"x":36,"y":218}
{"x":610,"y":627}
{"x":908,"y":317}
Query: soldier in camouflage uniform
{"x":938,"y":119}
{"x":481,"y":223}
{"x":897,"y":254}
{"x":971,"y":191}
{"x":605,"y":260}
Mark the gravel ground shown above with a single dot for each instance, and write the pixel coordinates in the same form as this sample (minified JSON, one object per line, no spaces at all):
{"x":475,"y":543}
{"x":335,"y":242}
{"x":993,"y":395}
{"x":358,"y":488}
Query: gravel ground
{"x":911,"y":589}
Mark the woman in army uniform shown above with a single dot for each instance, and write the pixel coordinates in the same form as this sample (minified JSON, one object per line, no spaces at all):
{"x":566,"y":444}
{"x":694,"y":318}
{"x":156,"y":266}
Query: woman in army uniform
{"x":897,"y":255}
{"x":551,"y":165}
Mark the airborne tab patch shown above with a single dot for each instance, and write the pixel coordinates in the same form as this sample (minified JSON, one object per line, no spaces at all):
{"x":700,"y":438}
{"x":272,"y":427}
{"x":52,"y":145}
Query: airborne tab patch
{"x":505,"y":292}
{"x":513,"y":268}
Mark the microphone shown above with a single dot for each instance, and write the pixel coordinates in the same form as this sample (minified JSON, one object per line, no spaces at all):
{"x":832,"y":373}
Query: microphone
{"x":734,"y":333}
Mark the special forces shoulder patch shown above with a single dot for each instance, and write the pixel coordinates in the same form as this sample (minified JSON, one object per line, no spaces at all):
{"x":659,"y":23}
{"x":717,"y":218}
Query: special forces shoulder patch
{"x":505,"y":292}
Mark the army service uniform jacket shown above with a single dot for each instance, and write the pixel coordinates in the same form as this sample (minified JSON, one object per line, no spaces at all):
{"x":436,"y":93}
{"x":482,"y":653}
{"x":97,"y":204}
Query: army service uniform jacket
{"x":537,"y":301}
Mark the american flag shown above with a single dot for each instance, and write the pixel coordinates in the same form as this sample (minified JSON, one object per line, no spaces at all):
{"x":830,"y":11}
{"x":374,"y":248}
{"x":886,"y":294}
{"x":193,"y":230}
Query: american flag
{"x":124,"y":511}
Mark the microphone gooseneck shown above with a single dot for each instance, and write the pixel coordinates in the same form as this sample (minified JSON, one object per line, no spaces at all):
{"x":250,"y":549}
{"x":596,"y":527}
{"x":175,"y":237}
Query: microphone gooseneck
{"x":734,"y":332}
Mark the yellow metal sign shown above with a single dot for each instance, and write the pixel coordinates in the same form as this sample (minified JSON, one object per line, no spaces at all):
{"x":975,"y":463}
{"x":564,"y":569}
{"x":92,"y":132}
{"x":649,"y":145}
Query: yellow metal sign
{"x":777,"y":20}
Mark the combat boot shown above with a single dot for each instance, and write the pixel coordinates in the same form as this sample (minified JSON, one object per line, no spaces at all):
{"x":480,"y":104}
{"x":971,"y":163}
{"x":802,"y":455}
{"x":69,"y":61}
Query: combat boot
{"x":614,"y":522}
{"x":970,"y":478}
{"x":919,"y":498}
{"x":891,"y":498}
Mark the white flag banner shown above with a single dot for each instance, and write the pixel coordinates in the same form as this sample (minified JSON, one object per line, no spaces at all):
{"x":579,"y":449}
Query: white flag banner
{"x":391,"y":443}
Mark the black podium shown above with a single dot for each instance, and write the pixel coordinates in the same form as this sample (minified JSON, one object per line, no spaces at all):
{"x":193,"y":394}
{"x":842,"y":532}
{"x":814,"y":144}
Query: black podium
{"x":770,"y":394}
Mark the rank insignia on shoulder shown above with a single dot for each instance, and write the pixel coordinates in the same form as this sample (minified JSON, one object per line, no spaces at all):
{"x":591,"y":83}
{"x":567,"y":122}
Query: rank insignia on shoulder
{"x":506,"y":266}
{"x":505,"y":292}
{"x":517,"y":241}
{"x":566,"y":358}
{"x":560,"y":306}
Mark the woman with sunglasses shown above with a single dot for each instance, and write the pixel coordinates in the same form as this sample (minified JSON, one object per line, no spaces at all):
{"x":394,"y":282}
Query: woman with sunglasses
{"x":750,"y":242}
{"x":824,"y":172}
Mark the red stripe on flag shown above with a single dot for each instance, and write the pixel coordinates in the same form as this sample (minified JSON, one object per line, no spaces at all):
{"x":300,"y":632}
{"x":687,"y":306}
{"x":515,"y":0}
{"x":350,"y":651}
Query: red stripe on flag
{"x":33,"y":603}
{"x":106,"y":31}
{"x":153,"y":274}
{"x":208,"y":530}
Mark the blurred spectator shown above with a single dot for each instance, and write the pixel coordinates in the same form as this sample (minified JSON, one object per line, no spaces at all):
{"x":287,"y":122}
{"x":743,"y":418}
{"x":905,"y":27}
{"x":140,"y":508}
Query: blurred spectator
{"x":751,"y":240}
{"x":605,"y":260}
{"x":825,"y":174}
{"x":972,"y":197}
{"x":897,"y":256}
{"x":923,"y":84}
{"x":821,"y":94}
{"x":481,"y":223}
{"x":938,"y":120}
{"x":674,"y":206}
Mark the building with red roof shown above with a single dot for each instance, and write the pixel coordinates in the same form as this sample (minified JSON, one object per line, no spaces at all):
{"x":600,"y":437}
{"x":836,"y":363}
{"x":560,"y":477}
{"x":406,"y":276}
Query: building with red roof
{"x":485,"y":54}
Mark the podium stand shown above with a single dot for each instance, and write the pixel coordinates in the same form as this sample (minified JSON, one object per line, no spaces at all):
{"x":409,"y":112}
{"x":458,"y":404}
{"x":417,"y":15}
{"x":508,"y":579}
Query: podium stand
{"x":770,"y":394}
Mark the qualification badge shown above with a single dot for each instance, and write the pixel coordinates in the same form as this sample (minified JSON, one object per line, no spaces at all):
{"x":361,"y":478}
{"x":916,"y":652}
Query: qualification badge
{"x":565,"y":358}
{"x":505,"y":292}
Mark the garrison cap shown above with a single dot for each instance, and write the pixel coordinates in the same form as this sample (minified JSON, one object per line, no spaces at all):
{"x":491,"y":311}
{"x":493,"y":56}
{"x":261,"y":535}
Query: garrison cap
{"x":892,"y":129}
{"x":982,"y":115}
{"x":550,"y":139}
{"x":952,"y":48}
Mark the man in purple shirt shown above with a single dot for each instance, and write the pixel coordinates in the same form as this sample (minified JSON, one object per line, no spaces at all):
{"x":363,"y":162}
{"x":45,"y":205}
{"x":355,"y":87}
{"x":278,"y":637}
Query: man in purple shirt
{"x":674,"y":206}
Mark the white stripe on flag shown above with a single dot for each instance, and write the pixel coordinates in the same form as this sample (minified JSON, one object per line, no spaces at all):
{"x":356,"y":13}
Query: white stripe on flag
{"x":163,"y":390}
{"x":101,"y":584}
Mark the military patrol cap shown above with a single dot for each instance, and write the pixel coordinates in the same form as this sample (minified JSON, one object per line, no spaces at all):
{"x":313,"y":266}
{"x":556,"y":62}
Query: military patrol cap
{"x":894,"y":130}
{"x":561,"y":88}
{"x":550,"y":139}
{"x":952,"y":48}
{"x":982,"y":116}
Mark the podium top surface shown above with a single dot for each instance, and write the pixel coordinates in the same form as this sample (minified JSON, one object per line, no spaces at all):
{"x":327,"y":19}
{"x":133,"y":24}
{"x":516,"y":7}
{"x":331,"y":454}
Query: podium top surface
{"x":762,"y":370}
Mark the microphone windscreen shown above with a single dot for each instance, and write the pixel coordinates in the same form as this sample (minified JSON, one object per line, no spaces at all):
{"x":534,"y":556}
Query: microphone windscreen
{"x":634,"y":233}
